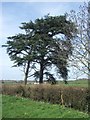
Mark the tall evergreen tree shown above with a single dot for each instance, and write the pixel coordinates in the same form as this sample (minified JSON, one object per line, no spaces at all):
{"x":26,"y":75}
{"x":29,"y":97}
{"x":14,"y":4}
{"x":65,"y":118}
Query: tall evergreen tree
{"x":41,"y":45}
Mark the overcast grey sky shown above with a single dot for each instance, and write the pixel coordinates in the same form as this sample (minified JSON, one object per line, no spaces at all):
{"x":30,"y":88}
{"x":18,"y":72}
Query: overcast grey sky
{"x":11,"y":17}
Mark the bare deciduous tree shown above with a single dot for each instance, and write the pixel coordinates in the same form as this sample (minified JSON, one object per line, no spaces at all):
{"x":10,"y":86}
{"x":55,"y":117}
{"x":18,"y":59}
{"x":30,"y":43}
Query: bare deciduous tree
{"x":81,"y":43}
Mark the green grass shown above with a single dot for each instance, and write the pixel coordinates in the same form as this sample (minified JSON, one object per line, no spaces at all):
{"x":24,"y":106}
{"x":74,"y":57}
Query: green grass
{"x":76,"y":83}
{"x":17,"y":107}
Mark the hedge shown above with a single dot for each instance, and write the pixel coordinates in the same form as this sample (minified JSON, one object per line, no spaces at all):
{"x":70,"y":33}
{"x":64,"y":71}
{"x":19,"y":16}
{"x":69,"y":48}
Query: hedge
{"x":74,"y":97}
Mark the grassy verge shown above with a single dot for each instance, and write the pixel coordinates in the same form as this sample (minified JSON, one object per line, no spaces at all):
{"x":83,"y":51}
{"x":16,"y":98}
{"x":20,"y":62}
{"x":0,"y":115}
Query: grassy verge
{"x":17,"y":107}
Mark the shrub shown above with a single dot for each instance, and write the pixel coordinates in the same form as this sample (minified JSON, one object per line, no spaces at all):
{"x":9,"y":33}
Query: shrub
{"x":75,"y":98}
{"x":13,"y":90}
{"x":52,"y":94}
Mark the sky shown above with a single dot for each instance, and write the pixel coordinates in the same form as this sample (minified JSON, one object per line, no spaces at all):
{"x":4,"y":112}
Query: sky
{"x":12,"y":14}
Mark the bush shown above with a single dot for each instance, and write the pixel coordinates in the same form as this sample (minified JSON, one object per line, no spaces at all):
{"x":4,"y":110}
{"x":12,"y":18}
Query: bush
{"x":74,"y":97}
{"x":13,"y":90}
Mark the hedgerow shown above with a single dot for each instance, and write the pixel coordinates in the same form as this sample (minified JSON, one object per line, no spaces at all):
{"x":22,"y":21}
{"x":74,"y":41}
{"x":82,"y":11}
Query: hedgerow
{"x":74,"y":97}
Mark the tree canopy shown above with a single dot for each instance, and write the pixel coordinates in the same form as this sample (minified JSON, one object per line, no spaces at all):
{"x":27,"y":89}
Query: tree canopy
{"x":46,"y":42}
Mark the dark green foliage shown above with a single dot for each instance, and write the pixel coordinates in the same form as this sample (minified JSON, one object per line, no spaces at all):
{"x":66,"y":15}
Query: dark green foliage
{"x":40,"y":45}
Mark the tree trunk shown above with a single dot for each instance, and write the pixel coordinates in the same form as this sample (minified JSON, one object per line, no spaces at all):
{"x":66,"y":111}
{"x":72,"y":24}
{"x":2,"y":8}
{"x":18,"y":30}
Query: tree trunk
{"x":26,"y":72}
{"x":65,"y":81}
{"x":41,"y":73}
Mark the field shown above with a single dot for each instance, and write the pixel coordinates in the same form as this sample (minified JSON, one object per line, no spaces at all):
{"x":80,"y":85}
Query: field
{"x":77,"y":83}
{"x":18,"y":107}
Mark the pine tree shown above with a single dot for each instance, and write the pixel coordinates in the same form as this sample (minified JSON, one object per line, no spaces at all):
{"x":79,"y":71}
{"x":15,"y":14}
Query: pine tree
{"x":40,"y":45}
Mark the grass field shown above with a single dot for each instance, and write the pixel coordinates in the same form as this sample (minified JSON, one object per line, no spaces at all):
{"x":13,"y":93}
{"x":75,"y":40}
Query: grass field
{"x":17,"y":107}
{"x":77,"y":83}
